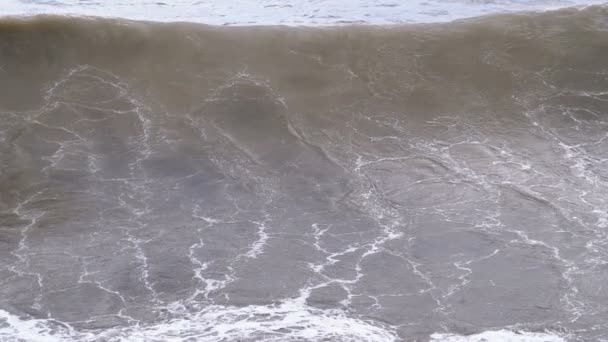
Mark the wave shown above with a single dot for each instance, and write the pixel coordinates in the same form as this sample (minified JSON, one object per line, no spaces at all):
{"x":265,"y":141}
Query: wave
{"x":177,"y":181}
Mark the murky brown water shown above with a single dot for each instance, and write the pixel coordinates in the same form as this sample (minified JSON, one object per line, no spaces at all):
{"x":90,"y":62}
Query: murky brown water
{"x":182,"y":181}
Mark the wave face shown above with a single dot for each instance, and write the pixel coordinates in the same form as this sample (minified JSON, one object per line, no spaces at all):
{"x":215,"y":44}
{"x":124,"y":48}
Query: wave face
{"x":184,"y":182}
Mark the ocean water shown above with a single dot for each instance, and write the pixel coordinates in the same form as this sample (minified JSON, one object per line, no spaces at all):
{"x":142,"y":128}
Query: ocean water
{"x":443,"y":181}
{"x":287,"y":12}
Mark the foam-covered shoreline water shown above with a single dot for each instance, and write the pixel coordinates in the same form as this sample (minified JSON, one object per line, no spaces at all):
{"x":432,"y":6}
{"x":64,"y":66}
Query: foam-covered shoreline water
{"x":207,"y":327}
{"x":182,"y":182}
{"x":498,"y":336}
{"x":279,"y":12}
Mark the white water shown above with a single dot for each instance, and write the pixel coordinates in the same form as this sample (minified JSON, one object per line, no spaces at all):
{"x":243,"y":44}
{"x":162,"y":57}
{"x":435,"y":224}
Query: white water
{"x":498,"y":336}
{"x":290,"y":12}
{"x":291,"y":320}
{"x":223,"y":324}
{"x":226,"y":324}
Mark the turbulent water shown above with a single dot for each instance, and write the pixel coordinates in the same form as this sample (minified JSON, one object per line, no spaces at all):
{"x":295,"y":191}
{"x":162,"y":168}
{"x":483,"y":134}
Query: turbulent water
{"x":287,"y":12}
{"x":182,"y":182}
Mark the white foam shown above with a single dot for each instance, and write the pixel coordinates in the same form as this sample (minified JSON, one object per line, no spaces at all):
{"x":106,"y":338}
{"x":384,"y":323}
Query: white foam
{"x":290,"y":320}
{"x":12,"y":328}
{"x":300,"y":12}
{"x":498,"y":336}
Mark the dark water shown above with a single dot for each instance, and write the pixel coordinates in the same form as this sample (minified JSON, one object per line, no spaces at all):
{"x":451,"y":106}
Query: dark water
{"x":185,"y":182}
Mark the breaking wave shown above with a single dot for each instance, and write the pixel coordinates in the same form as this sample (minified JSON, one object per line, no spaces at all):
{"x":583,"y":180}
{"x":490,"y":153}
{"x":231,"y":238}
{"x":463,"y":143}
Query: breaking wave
{"x":186,"y":182}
